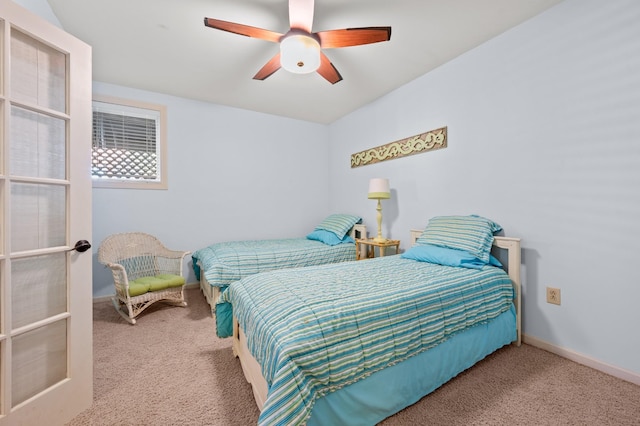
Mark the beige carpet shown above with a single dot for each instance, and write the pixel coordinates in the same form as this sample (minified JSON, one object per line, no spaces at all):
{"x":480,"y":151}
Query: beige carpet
{"x":171,"y":369}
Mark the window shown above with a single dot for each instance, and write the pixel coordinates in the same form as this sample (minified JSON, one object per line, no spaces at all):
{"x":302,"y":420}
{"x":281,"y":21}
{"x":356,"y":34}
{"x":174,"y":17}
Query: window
{"x":129,"y":144}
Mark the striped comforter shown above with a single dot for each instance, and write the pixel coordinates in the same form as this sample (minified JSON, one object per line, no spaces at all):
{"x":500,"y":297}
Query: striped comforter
{"x":314,"y":330}
{"x":224,"y":263}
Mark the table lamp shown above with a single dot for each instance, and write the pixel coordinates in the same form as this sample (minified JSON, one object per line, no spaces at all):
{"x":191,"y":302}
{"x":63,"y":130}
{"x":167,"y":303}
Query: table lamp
{"x":379,"y":190}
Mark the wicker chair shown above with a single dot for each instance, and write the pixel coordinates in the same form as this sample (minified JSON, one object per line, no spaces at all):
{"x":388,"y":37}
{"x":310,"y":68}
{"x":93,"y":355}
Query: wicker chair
{"x":144,"y":272}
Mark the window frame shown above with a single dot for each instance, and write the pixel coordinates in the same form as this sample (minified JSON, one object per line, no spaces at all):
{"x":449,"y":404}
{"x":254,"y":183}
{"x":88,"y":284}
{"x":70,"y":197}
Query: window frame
{"x":161,"y":146}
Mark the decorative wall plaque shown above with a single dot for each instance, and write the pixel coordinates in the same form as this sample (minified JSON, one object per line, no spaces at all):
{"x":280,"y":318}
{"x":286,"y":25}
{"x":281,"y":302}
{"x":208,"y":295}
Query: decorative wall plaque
{"x":424,"y":142}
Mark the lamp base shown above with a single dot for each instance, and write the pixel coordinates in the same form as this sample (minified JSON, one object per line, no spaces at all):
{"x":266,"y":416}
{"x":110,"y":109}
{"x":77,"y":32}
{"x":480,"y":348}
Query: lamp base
{"x":380,"y":240}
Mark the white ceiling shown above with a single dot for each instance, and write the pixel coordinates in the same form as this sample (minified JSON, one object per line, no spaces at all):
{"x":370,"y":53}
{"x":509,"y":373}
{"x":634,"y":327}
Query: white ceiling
{"x":163,"y":46}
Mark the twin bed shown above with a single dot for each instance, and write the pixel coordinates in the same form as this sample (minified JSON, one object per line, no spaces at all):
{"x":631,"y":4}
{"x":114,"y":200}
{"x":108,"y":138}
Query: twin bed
{"x":355,"y":342}
{"x":220,"y":264}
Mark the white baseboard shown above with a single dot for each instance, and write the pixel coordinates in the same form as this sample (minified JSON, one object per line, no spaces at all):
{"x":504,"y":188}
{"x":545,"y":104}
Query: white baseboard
{"x":101,"y":299}
{"x":612,"y":370}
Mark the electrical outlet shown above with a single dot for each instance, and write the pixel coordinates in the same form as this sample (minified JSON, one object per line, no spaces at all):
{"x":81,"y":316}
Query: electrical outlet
{"x":553,"y":295}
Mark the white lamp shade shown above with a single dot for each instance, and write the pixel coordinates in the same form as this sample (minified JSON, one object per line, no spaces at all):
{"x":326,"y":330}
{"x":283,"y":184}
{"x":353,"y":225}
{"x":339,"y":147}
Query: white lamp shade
{"x":379,"y":188}
{"x":300,"y":54}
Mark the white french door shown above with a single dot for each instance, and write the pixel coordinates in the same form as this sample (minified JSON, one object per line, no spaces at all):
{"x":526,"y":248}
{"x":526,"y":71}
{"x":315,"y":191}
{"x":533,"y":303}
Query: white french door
{"x":46,"y":358}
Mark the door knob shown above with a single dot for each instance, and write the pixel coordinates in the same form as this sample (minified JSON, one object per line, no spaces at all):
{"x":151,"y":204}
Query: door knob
{"x":81,"y":246}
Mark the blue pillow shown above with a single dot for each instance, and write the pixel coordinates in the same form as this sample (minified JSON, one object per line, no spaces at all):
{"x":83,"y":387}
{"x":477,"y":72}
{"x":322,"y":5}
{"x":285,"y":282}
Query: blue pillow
{"x":328,"y":237}
{"x":443,"y":256}
{"x":339,"y":224}
{"x":473,"y":234}
{"x":494,"y":262}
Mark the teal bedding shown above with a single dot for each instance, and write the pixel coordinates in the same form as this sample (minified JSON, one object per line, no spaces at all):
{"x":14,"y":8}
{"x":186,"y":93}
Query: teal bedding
{"x":318,"y":330}
{"x":226,"y":262}
{"x":385,"y":392}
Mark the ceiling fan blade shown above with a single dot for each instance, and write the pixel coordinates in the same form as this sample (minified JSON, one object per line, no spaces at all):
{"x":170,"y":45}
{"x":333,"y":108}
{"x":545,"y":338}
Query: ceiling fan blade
{"x":353,"y":36}
{"x":244,"y":30}
{"x":269,"y":68}
{"x":327,"y":70}
{"x":301,"y":14}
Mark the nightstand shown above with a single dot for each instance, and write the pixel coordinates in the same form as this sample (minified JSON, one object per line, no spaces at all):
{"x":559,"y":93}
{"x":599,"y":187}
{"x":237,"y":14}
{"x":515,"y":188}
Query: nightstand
{"x":371,"y":245}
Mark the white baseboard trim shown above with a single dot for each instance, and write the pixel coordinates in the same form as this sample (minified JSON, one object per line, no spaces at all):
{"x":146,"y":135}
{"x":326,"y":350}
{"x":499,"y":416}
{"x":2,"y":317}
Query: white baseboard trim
{"x":101,"y":299}
{"x":612,"y":370}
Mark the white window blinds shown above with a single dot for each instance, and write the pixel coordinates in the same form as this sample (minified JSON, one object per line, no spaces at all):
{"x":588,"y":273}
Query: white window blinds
{"x":127,"y":145}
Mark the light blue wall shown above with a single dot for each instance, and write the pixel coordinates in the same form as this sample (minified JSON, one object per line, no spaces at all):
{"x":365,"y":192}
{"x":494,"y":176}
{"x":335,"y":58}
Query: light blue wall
{"x":233,"y":174}
{"x":544,"y":138}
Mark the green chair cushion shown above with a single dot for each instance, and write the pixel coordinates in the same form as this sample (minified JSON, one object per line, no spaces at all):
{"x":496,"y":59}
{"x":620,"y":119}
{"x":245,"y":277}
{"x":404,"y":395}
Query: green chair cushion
{"x":137,"y":288}
{"x":160,"y":282}
{"x":172,"y":280}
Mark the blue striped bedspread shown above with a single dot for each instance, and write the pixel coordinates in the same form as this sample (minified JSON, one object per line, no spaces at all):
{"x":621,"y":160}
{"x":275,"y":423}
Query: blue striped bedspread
{"x":226,"y":262}
{"x":315,"y":330}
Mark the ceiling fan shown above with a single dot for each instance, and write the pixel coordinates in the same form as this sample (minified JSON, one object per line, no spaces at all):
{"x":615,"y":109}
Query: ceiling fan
{"x":301,"y":49}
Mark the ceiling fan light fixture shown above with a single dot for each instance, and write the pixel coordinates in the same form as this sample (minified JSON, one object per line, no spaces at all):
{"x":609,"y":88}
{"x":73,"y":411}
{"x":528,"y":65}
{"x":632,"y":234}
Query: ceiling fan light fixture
{"x":300,"y":54}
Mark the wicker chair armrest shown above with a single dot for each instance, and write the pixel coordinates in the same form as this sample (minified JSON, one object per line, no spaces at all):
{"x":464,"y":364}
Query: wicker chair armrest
{"x":171,"y":254}
{"x":120,"y":279}
{"x":170,"y":261}
{"x":115,"y":267}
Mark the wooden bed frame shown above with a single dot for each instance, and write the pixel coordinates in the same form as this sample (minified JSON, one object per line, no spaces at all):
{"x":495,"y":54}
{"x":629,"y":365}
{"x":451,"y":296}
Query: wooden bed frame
{"x":251,"y":368}
{"x":212,"y":293}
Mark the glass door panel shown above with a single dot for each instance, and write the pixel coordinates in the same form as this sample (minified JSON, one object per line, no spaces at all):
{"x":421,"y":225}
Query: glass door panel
{"x":39,"y":360}
{"x":38,"y":216}
{"x":38,"y":73}
{"x":38,"y":288}
{"x":36,"y":148}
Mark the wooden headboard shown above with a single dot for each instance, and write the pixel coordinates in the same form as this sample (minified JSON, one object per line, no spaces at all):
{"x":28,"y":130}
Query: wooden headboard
{"x":512,"y":245}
